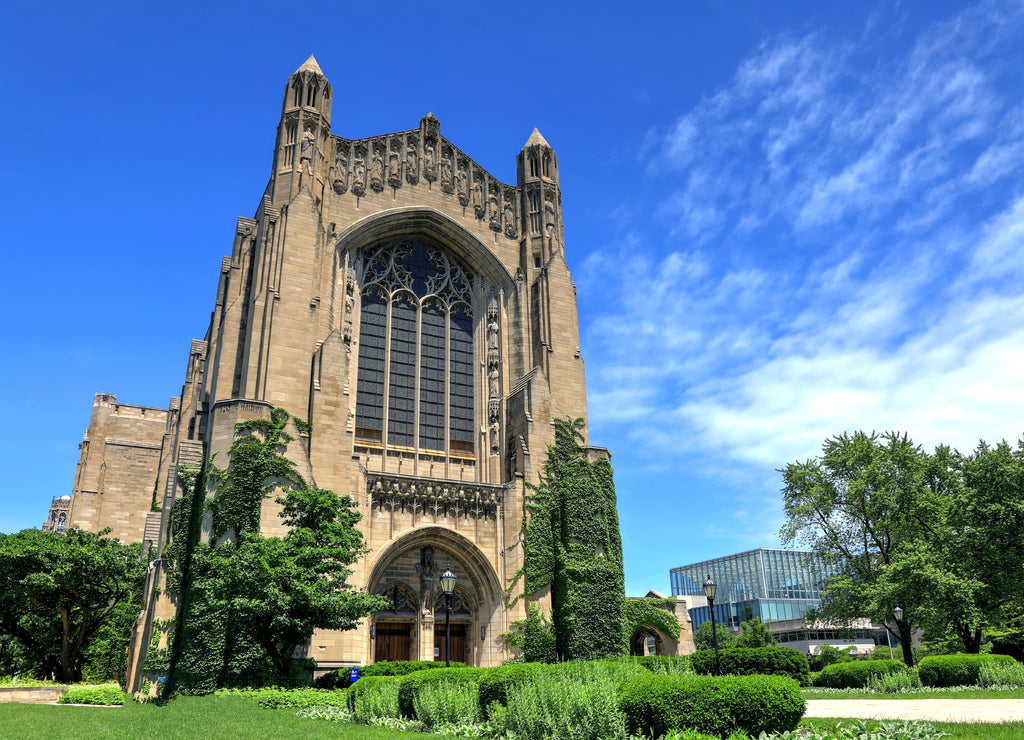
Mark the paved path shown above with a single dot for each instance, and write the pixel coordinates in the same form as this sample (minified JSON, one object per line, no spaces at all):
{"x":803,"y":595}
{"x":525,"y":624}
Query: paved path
{"x":935,"y":710}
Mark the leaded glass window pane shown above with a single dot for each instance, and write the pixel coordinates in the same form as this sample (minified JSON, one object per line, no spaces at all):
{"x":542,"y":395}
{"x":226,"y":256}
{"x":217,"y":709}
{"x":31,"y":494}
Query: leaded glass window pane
{"x":402,"y":376}
{"x":370,"y":389}
{"x":460,"y":394}
{"x":432,"y":375}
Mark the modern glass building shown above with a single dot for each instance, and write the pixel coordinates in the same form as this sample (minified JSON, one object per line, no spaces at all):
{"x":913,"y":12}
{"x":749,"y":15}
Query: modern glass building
{"x":772,"y":585}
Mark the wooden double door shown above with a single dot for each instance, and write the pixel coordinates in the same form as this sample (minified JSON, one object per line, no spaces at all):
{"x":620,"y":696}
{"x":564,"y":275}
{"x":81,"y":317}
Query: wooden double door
{"x":392,"y":641}
{"x":458,"y":642}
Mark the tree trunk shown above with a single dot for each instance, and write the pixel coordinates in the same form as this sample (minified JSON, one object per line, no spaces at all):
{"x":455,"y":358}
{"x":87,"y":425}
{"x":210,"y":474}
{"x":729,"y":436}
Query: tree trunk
{"x":906,"y":637}
{"x":971,"y":639}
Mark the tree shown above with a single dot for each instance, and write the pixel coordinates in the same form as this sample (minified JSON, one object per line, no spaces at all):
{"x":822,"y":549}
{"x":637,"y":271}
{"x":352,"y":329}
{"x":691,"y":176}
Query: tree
{"x":703,"y":637}
{"x":873,"y":506}
{"x":754,"y":634}
{"x":249,"y":600}
{"x":57,"y":591}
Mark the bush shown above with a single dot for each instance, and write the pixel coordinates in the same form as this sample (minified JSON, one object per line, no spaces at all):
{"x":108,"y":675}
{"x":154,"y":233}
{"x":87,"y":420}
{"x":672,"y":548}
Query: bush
{"x":374,"y":697}
{"x":570,"y":701}
{"x":447,"y":702}
{"x":410,"y":685}
{"x":660,"y":665}
{"x":767,"y":661}
{"x":895,"y":683}
{"x":339,"y":679}
{"x":956,"y":670}
{"x":497,"y":683}
{"x":270,"y":698}
{"x":856,"y":674}
{"x":656,"y":705}
{"x":1001,"y":673}
{"x":107,"y":694}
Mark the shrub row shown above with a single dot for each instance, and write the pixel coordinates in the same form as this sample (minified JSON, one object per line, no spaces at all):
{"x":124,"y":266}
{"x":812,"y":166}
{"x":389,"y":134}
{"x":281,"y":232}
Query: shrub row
{"x":108,"y":694}
{"x":856,"y":674}
{"x":412,"y":683}
{"x":766,"y":661}
{"x":957,"y":670}
{"x":339,"y":679}
{"x":656,"y":705}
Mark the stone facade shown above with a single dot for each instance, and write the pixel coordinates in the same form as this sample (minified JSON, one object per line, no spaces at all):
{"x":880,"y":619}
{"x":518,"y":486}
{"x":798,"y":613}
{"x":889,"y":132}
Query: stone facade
{"x":120,"y":458}
{"x":420,"y":314}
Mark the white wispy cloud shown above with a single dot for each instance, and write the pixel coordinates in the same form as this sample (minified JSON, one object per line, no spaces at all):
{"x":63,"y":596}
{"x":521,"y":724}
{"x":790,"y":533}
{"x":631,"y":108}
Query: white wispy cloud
{"x":848,"y":226}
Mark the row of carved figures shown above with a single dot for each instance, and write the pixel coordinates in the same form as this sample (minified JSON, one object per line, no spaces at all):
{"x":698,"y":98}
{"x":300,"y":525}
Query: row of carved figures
{"x":378,"y":163}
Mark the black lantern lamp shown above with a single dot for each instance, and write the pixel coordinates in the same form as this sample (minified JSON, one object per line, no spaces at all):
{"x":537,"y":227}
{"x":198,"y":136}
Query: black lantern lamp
{"x":710,"y":590}
{"x":448,"y":587}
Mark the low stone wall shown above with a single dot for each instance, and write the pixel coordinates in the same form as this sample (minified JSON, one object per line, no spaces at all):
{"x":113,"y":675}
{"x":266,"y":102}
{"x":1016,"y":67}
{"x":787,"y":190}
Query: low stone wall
{"x":32,"y":694}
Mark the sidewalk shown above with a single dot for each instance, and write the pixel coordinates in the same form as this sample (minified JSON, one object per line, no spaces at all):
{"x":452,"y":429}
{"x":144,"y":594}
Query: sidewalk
{"x":934,"y":710}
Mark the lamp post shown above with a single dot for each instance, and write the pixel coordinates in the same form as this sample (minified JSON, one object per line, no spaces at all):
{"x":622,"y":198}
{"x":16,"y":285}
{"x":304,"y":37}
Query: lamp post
{"x":898,"y":613}
{"x":448,"y":587}
{"x":710,"y":589}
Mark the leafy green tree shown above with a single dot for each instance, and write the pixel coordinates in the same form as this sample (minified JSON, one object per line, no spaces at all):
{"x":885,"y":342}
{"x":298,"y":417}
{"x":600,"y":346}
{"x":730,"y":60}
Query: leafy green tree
{"x":754,"y":634}
{"x":58,"y":591}
{"x":874,"y":506}
{"x":703,"y":637}
{"x":251,"y":600}
{"x":826,"y":655}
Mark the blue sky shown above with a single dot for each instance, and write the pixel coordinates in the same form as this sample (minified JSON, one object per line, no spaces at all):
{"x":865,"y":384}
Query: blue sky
{"x":784,"y":222}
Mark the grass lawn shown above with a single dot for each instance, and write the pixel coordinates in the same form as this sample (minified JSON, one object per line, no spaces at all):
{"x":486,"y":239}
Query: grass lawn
{"x":188,"y":717}
{"x":956,"y":731}
{"x":968,"y":694}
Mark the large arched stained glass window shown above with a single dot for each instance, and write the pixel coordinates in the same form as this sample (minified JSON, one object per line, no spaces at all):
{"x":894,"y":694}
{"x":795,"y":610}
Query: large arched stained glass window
{"x":415,"y":389}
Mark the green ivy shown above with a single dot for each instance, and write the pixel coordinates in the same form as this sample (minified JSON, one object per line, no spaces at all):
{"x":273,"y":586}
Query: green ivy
{"x":572,"y":545}
{"x":651,"y":613}
{"x":247,"y":601}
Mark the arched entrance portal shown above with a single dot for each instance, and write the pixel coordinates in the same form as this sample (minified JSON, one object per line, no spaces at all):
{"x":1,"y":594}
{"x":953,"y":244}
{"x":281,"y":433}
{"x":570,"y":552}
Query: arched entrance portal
{"x":647,"y":641}
{"x":413,"y":626}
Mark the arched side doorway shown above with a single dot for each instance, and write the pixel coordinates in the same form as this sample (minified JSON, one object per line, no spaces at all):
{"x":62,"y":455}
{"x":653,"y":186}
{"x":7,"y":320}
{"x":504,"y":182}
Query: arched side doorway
{"x":409,"y":567}
{"x":647,"y":640}
{"x":392,"y":629}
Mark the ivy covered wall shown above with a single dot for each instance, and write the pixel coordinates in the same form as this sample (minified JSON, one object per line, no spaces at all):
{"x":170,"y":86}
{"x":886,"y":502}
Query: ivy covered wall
{"x":572,"y":545}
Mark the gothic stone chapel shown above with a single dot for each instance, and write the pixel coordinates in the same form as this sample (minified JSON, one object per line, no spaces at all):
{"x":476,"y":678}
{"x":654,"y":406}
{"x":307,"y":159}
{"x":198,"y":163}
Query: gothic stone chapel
{"x":420,"y":314}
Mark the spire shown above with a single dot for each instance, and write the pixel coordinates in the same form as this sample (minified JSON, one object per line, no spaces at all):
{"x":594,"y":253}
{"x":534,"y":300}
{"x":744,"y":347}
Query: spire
{"x":536,"y":138}
{"x":311,"y":65}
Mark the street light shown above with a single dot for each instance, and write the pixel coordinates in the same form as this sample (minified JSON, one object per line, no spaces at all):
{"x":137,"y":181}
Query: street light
{"x":448,"y":587}
{"x":898,"y":613}
{"x":710,"y":589}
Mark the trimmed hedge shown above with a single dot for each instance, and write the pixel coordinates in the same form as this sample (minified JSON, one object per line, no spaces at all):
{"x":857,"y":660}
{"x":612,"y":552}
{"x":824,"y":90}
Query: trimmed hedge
{"x":714,"y":705}
{"x":855,"y":674}
{"x":765,"y":661}
{"x":339,"y":679}
{"x":411,"y":683}
{"x":956,"y":670}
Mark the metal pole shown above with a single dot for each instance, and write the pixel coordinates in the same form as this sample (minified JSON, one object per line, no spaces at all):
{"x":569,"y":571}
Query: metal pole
{"x":888,"y":636}
{"x":447,"y":630}
{"x":714,"y":637}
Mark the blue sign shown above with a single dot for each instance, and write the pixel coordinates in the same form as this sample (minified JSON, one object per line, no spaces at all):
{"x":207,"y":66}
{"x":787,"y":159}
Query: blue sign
{"x":353,"y":675}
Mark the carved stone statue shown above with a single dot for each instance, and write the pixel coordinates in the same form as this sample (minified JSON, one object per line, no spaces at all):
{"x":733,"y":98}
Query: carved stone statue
{"x":461,"y":178}
{"x":492,"y":383}
{"x":394,"y":170}
{"x":377,"y":171}
{"x":359,"y":175}
{"x":428,"y":160}
{"x":446,"y":174}
{"x":308,"y":144}
{"x":411,"y":162}
{"x":492,"y":205}
{"x":510,"y":217}
{"x":478,"y":199}
{"x":339,"y":174}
